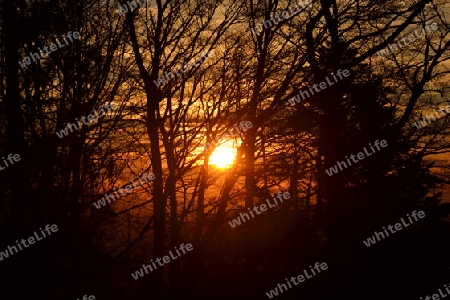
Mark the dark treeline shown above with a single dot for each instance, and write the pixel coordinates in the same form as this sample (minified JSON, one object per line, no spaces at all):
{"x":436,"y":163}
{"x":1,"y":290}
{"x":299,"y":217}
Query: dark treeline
{"x":161,"y":127}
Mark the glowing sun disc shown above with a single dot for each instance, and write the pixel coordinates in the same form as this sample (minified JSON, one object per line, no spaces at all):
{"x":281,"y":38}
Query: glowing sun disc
{"x":223,"y":156}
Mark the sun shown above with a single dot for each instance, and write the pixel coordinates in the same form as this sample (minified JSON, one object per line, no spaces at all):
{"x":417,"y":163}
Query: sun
{"x":223,"y":156}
